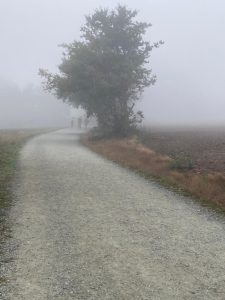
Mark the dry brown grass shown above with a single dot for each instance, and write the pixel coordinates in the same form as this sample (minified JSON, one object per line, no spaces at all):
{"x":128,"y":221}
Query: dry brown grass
{"x":209,"y":187}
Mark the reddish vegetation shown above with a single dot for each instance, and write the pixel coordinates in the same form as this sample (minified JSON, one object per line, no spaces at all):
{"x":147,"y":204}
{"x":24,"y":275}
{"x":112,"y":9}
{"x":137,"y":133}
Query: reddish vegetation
{"x":204,"y":181}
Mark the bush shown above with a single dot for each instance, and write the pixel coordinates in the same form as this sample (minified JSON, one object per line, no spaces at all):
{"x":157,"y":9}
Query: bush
{"x":182,"y":162}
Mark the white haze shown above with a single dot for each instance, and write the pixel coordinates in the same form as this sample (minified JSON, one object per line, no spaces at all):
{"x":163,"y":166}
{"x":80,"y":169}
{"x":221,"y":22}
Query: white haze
{"x":30,"y":107}
{"x":190,"y":65}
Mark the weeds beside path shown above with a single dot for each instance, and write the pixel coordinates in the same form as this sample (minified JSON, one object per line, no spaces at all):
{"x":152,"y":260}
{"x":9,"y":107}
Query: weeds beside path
{"x":209,"y":187}
{"x":11,"y":142}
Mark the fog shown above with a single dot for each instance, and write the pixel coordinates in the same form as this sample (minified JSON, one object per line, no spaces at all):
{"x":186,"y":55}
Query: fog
{"x":190,"y":66}
{"x":30,"y":107}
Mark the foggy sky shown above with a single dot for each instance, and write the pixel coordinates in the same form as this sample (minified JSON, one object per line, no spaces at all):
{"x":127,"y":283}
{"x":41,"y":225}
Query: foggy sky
{"x":30,"y":107}
{"x":190,"y":65}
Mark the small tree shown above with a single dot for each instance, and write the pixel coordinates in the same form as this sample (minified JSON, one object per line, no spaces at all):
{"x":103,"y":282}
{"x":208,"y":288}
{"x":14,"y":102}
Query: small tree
{"x":106,"y":72}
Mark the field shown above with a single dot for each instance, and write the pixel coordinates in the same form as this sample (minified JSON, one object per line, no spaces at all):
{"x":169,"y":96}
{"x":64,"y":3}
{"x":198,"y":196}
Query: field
{"x":206,"y":147}
{"x":189,"y":161}
{"x":11,"y":142}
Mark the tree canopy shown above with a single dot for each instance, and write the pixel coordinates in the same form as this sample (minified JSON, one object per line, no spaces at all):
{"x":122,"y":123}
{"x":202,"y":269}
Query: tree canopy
{"x":107,"y":70}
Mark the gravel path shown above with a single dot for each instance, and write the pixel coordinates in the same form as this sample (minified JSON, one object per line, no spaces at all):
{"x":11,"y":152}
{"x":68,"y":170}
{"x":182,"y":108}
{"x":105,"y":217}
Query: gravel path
{"x":86,"y":228}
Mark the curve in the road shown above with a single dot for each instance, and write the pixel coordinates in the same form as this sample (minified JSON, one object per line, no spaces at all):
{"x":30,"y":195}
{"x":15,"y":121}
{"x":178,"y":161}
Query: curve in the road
{"x":89,"y":229}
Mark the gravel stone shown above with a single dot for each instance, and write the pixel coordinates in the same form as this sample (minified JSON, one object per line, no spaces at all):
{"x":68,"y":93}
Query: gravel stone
{"x":85,"y":228}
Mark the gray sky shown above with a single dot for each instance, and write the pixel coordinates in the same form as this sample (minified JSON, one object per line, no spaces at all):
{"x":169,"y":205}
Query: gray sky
{"x":190,"y":66}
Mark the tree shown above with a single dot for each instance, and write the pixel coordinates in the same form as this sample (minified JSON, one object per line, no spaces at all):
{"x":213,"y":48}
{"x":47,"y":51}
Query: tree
{"x":107,"y":70}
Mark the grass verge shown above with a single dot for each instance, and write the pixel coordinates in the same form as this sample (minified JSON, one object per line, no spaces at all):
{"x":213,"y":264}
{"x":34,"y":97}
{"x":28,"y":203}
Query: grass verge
{"x":11,"y":141}
{"x":209,"y":188}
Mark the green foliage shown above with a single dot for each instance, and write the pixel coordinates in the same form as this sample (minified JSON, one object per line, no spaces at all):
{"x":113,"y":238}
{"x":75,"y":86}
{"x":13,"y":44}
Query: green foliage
{"x":182,"y":162}
{"x":106,"y":71}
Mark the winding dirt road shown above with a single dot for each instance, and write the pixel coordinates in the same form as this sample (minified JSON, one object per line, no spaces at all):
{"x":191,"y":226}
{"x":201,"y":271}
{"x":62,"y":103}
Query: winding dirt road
{"x":86,"y":228}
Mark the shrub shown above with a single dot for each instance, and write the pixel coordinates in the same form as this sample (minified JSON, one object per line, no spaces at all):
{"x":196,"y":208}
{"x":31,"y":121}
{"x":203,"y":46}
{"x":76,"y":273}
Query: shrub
{"x":181,"y":162}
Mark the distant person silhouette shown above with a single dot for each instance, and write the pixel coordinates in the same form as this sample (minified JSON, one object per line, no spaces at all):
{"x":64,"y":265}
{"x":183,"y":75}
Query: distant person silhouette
{"x":79,"y":123}
{"x":72,"y":123}
{"x":86,"y":121}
